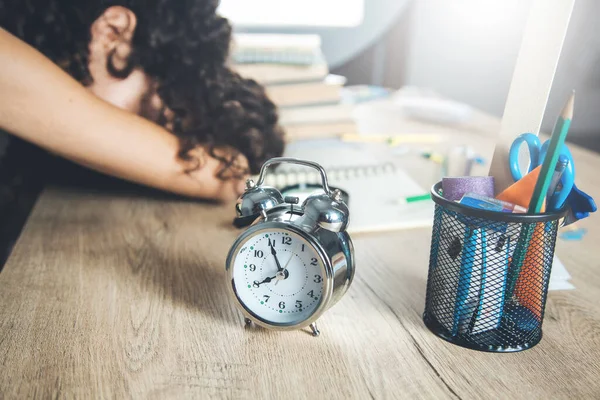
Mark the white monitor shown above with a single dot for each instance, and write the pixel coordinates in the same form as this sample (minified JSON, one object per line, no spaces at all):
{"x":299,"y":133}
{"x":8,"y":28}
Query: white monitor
{"x":282,"y":13}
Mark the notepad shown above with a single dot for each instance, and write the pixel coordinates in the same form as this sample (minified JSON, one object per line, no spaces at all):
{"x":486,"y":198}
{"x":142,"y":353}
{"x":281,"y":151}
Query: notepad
{"x":375,"y":192}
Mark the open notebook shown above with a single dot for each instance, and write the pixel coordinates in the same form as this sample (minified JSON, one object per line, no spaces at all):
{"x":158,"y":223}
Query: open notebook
{"x":375,"y":192}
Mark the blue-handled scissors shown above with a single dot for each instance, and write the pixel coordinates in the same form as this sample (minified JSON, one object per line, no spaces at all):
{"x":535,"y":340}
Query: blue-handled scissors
{"x":537,"y":153}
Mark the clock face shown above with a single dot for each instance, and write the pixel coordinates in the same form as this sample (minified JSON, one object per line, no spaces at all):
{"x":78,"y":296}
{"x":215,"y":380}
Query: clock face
{"x":278,"y":276}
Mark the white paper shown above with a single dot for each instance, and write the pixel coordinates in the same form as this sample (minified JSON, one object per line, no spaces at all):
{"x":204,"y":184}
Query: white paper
{"x":559,"y":277}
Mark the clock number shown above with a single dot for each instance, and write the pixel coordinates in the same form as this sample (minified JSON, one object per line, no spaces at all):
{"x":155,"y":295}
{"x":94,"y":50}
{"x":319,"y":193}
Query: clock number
{"x":259,"y":253}
{"x":286,"y":240}
{"x":282,"y":304}
{"x":311,"y":294}
{"x":313,"y":261}
{"x":318,"y":279}
{"x":271,"y":243}
{"x":303,"y":247}
{"x":298,"y":304}
{"x":266,"y":298}
{"x":256,"y":284}
{"x":252,"y":267}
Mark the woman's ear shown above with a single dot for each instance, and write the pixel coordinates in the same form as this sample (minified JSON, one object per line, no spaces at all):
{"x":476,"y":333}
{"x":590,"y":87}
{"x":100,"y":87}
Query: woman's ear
{"x":111,"y":36}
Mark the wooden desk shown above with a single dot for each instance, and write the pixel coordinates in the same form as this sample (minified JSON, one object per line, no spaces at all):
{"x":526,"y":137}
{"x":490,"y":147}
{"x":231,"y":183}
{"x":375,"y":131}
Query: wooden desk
{"x":121,"y":296}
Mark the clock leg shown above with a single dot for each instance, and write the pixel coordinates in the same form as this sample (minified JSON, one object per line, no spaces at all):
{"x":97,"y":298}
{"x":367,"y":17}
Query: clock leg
{"x":315,"y":331}
{"x":247,"y":321}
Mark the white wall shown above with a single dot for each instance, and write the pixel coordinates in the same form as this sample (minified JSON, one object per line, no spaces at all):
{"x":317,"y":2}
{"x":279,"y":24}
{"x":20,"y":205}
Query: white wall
{"x":579,"y":69}
{"x":467,"y":49}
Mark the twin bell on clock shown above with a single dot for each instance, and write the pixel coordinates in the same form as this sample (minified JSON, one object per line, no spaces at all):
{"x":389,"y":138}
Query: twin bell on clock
{"x":293,"y":261}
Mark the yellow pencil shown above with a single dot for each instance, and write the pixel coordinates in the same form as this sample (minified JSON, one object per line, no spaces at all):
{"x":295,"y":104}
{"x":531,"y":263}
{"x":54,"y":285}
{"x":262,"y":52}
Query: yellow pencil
{"x":393,"y":140}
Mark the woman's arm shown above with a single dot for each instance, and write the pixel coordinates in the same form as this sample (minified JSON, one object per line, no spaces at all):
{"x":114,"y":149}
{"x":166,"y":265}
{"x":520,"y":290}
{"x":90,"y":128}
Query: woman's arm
{"x":42,"y":104}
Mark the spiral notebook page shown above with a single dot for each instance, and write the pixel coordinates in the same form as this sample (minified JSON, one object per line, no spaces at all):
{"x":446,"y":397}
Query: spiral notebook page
{"x":375,"y":196}
{"x":375,"y":201}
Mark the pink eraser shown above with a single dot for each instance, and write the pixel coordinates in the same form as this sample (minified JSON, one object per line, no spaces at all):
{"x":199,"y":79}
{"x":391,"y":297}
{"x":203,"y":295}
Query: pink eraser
{"x":455,"y":187}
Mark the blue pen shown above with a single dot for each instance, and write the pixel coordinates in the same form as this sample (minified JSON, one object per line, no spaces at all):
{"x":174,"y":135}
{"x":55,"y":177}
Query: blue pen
{"x":561,"y":166}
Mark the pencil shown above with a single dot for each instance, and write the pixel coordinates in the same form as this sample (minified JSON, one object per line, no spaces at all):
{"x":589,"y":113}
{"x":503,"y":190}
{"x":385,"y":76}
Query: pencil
{"x":559,"y":134}
{"x":526,"y":244}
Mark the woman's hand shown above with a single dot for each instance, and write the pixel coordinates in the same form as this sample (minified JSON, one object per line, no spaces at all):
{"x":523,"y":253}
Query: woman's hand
{"x":219,"y":184}
{"x":40,"y":103}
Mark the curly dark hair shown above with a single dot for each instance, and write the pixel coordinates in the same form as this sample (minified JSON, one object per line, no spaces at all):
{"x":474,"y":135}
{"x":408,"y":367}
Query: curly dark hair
{"x":183,"y":45}
{"x":230,"y":109}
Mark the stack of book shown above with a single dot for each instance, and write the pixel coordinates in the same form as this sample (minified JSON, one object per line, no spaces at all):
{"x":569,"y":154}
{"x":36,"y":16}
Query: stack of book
{"x":296,"y":77}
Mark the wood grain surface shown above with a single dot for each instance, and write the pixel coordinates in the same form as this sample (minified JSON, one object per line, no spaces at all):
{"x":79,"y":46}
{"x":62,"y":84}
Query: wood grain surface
{"x":124,"y":296}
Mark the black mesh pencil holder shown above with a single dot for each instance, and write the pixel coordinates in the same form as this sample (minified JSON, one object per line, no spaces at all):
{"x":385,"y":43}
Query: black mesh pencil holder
{"x":488,"y":275}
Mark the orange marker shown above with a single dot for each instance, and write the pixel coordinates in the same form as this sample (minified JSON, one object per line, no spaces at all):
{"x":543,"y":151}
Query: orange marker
{"x":528,"y":284}
{"x":529,"y":287}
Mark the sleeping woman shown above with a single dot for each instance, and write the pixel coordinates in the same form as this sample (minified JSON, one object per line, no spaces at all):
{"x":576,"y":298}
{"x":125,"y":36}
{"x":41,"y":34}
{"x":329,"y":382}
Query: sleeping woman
{"x":135,"y":89}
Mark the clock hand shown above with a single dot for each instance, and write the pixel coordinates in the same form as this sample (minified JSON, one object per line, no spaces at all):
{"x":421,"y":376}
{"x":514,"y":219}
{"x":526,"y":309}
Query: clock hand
{"x":266,"y":280}
{"x":274,"y":253}
{"x":291,"y":256}
{"x":283,"y":273}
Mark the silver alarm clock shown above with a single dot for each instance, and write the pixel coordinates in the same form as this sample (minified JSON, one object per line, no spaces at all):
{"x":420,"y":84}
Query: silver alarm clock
{"x":294,"y":261}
